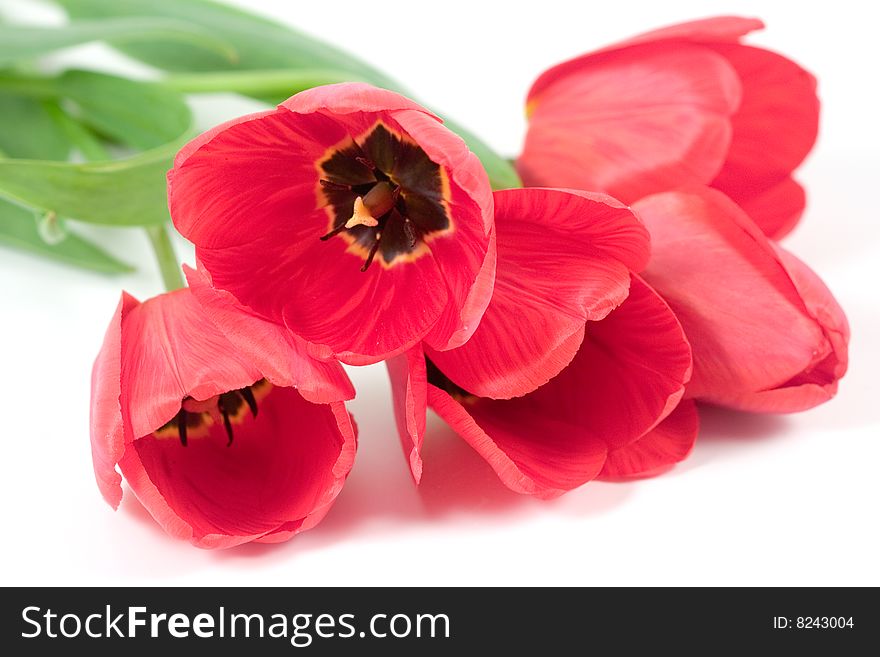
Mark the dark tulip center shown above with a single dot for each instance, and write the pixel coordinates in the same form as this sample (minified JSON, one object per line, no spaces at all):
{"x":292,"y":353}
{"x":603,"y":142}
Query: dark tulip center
{"x":195,"y":417}
{"x":384,"y":196}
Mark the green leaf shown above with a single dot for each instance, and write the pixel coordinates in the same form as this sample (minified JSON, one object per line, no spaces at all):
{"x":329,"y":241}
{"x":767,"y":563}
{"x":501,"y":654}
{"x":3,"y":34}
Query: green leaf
{"x":274,"y":86}
{"x":259,"y":43}
{"x":140,"y":114}
{"x":271,"y":85}
{"x":27,"y":130}
{"x":80,"y":137}
{"x":128,"y":192}
{"x":262,"y":45}
{"x":18,"y":229}
{"x":143,"y":115}
{"x":18,"y":42}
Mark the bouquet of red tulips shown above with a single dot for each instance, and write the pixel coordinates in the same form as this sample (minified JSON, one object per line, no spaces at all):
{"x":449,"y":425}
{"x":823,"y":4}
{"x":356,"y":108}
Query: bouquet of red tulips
{"x":566,"y":314}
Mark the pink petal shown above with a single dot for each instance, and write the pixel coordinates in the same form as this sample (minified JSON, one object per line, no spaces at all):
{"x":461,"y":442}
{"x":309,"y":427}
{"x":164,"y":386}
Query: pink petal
{"x":531,"y":453}
{"x":466,"y":258}
{"x":284,"y":465}
{"x":775,"y":126}
{"x":659,"y":449}
{"x":349,"y":98}
{"x":776,"y":209}
{"x":105,"y":421}
{"x":629,"y":374}
{"x":252,"y":176}
{"x":818,"y":382}
{"x":171,"y":350}
{"x":632,"y":121}
{"x":564,"y":259}
{"x":247,"y":196}
{"x":740,"y":307}
{"x":322,"y":296}
{"x":280,"y":355}
{"x":706,"y":30}
{"x":409,"y":390}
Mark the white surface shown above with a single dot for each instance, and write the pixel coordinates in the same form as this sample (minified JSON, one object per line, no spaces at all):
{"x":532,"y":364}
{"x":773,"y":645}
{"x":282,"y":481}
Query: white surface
{"x":763,"y":500}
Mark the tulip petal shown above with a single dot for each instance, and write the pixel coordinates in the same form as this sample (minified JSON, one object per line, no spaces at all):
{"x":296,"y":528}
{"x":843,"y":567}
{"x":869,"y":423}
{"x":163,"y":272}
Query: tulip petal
{"x":163,"y":361}
{"x":409,"y":391}
{"x":105,"y":422}
{"x":321,"y":296}
{"x":350,"y":98}
{"x":250,"y":176}
{"x":818,"y":382}
{"x":658,"y":450}
{"x":773,"y":129}
{"x":564,"y":258}
{"x":776,"y":209}
{"x":467,"y":300}
{"x":629,"y":374}
{"x":280,"y":355}
{"x":740,"y":307}
{"x":631,"y":122}
{"x":531,"y":454}
{"x":466,"y":259}
{"x":705,"y":30}
{"x":284,"y":464}
{"x":341,"y":468}
{"x":248,"y":195}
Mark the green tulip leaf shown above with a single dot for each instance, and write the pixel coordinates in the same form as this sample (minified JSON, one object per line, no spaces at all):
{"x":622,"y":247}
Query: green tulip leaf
{"x":127,"y":192}
{"x":143,"y":115}
{"x":28,"y":130}
{"x":19,"y":229}
{"x":261,"y":44}
{"x":21,"y":42}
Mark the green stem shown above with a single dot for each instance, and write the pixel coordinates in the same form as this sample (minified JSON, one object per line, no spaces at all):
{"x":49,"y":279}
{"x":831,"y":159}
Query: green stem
{"x":164,"y":250}
{"x":31,"y":86}
{"x":256,"y":83}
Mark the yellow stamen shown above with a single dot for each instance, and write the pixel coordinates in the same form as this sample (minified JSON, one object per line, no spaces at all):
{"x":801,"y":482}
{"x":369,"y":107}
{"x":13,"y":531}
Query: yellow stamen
{"x":361,"y":216}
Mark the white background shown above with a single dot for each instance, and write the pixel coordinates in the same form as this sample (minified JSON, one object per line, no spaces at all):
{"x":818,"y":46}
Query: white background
{"x":763,"y":500}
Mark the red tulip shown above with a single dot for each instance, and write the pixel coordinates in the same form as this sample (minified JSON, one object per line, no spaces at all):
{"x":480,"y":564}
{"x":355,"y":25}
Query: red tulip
{"x":613,"y":412}
{"x":564,"y":263}
{"x":219,"y":448}
{"x":348,"y":215}
{"x":766,"y":333}
{"x":688,"y":104}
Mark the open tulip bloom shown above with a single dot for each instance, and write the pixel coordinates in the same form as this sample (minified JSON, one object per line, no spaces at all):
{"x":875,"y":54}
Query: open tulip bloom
{"x":614,"y":412}
{"x":348,"y":215}
{"x":218,"y":452}
{"x":564,"y":335}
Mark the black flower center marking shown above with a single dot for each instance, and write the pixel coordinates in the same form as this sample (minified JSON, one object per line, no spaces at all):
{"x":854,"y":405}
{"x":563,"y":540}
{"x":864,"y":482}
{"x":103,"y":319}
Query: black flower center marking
{"x":384,"y":196}
{"x":195,"y":417}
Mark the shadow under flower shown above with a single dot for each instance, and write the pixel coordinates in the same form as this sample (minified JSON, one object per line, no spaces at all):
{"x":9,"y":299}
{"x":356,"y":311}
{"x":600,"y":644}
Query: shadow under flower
{"x":140,"y":547}
{"x":723,"y":431}
{"x":725,"y":425}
